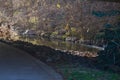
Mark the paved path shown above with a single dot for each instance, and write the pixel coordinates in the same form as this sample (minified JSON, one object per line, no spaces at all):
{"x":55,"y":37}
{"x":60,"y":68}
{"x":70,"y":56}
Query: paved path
{"x":18,"y":65}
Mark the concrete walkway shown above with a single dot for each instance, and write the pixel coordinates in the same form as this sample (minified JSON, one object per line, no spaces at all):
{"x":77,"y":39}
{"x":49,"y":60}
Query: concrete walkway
{"x":18,"y":65}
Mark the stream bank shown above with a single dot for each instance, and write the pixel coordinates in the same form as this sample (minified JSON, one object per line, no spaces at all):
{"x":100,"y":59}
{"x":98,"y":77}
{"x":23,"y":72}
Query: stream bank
{"x":66,"y":64}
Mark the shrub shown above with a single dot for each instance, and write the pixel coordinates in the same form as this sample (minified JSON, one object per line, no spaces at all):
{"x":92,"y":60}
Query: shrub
{"x":111,"y":53}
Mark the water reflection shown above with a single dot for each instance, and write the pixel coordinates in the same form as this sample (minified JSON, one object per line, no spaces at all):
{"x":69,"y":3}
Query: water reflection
{"x":58,"y":44}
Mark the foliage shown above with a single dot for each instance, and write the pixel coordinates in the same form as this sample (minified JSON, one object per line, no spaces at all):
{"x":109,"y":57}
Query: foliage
{"x":54,"y":33}
{"x":71,"y":72}
{"x":112,"y":51}
{"x":68,"y":34}
{"x":58,"y":5}
{"x":33,"y":19}
{"x":74,"y":32}
{"x":47,"y":15}
{"x":64,"y":37}
{"x":107,"y":13}
{"x":16,"y":13}
{"x":100,"y":35}
{"x":67,"y":27}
